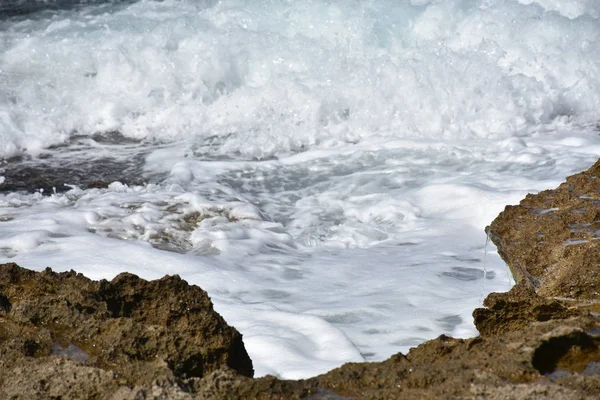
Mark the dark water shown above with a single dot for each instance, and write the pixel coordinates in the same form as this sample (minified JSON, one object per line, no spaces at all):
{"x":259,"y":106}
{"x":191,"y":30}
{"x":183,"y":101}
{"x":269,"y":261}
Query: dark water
{"x":45,"y":8}
{"x":87,"y":162}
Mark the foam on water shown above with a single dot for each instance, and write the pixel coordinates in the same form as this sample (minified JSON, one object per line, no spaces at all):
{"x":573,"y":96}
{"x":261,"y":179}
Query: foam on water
{"x":270,"y":77}
{"x":323,"y":169}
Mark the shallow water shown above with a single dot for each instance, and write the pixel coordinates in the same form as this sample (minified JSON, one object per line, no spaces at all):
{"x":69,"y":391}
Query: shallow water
{"x":324,"y":169}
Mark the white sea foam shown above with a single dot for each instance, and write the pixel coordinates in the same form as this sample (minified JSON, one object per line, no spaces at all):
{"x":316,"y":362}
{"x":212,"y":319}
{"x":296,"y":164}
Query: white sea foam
{"x":323,"y":169}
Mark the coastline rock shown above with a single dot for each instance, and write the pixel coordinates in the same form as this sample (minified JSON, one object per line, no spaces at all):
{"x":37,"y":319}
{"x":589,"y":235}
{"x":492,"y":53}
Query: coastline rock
{"x":63,"y":335}
{"x":548,"y":355}
{"x":124,"y":333}
{"x":516,"y":309}
{"x":551,"y":240}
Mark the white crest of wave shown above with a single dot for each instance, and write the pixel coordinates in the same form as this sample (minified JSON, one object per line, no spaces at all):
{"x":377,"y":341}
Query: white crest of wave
{"x":270,"y":77}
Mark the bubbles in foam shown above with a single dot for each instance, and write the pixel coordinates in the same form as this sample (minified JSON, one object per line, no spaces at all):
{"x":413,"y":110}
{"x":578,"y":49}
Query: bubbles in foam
{"x":277,"y":77}
{"x":570,"y":9}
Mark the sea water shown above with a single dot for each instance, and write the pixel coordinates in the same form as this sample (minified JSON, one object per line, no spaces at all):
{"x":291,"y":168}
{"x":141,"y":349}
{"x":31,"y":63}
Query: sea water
{"x":323,"y":169}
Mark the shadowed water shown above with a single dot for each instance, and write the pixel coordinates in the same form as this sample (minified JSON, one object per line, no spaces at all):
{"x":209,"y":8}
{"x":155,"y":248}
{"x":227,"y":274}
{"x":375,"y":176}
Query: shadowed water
{"x":47,"y":8}
{"x":86,"y":162}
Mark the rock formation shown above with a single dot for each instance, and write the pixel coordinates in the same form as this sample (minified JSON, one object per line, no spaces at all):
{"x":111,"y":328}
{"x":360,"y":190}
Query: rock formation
{"x":550,"y":240}
{"x":61,"y":333}
{"x":64,"y":336}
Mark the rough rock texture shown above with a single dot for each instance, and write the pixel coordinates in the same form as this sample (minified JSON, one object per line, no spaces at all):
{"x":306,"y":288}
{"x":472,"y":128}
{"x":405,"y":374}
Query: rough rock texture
{"x":65,"y":333}
{"x":516,"y":309}
{"x":551,"y":360}
{"x":64,"y":336}
{"x":551,"y":240}
{"x":457,"y":368}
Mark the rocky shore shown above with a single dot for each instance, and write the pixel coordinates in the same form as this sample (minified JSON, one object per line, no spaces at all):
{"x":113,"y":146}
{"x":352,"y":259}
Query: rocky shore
{"x":65,"y":336}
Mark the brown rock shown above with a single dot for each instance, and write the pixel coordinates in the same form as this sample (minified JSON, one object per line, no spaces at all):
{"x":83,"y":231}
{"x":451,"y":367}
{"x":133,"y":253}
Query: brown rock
{"x":551,"y":240}
{"x":516,"y":309}
{"x":521,"y":363}
{"x":62,"y":335}
{"x":126,"y":332}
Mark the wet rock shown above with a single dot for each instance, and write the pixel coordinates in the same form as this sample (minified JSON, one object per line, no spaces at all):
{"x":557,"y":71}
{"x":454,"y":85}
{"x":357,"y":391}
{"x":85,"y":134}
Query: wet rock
{"x":65,"y":335}
{"x":551,"y":240}
{"x":551,"y":243}
{"x":126,"y":332}
{"x":458,"y":368}
{"x":516,"y":309}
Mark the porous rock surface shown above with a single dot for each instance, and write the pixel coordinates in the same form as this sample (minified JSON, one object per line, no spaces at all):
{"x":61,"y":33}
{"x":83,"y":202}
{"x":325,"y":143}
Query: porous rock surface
{"x":62,"y":333}
{"x":551,"y":240}
{"x":540,"y":340}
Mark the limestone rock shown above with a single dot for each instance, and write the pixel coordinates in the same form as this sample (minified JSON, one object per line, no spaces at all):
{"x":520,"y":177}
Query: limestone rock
{"x":126,"y":332}
{"x":551,"y":240}
{"x":516,"y":309}
{"x":459,"y":368}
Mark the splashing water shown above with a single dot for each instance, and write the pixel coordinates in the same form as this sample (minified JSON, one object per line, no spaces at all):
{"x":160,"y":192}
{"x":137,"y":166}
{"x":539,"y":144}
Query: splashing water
{"x":324,"y":169}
